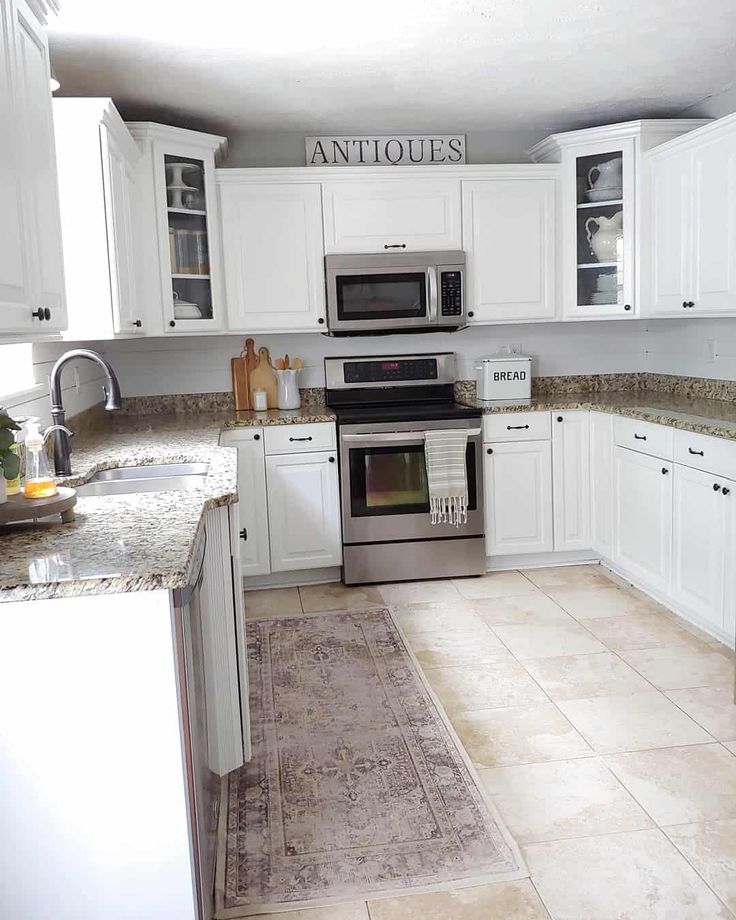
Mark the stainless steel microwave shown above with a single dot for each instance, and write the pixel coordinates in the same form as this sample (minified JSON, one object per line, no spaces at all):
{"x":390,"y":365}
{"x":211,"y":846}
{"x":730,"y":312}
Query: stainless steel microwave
{"x":390,"y":292}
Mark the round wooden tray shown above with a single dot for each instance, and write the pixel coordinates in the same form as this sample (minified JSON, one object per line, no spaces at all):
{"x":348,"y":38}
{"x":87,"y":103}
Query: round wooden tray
{"x":19,"y":508}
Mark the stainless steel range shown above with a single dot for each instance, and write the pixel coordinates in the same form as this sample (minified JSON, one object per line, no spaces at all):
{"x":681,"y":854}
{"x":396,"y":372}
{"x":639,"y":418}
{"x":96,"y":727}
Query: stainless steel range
{"x":384,"y":405}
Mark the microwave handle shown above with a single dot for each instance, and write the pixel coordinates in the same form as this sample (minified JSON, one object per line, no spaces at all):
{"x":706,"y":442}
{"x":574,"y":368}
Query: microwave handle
{"x":433,"y":296}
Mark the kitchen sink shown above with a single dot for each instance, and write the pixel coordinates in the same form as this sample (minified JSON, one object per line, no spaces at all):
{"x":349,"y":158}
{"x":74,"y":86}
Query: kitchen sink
{"x":159,"y":477}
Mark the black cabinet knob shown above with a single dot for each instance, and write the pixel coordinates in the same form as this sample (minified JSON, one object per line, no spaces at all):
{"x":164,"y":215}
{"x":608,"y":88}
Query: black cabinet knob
{"x":489,"y":450}
{"x":331,"y":459}
{"x":172,"y":323}
{"x":256,"y":437}
{"x":559,"y":418}
{"x":684,"y":305}
{"x":470,"y":313}
{"x":137,"y":323}
{"x":716,"y":487}
{"x":321,"y":320}
{"x":244,"y":534}
{"x":43,"y":313}
{"x":725,"y":491}
{"x":627,"y":306}
{"x":664,"y":471}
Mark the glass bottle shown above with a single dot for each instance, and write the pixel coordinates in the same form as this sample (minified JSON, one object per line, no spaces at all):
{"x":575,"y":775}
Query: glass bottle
{"x":39,"y":481}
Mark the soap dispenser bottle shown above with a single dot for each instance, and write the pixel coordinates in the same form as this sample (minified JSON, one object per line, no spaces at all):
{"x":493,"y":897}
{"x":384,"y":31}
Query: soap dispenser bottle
{"x":39,"y":483}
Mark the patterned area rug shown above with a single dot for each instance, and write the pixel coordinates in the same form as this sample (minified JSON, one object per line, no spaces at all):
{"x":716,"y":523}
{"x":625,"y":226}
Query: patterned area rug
{"x":358,"y":786}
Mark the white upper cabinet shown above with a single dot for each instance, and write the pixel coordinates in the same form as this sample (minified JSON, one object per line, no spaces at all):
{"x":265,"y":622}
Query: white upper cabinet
{"x":690,"y":263}
{"x":32,"y":296}
{"x":401,"y":213}
{"x":274,"y":265}
{"x":571,"y":478}
{"x":601,"y":190}
{"x":97,"y":161}
{"x":178,"y":254}
{"x":509,"y":241}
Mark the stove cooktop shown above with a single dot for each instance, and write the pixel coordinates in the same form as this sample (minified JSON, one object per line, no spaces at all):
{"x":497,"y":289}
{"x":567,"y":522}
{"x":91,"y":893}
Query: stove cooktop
{"x":404,"y":412}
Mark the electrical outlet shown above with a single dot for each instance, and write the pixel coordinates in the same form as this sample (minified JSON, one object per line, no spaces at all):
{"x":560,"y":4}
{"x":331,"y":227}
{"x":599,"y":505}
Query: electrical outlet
{"x":710,"y":347}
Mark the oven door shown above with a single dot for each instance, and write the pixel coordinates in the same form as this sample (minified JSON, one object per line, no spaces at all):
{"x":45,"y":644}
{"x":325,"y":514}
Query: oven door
{"x":376,"y":298}
{"x":383,"y":484}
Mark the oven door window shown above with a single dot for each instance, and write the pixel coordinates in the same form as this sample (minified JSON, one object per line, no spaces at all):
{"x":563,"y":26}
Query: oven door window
{"x":393,"y":480}
{"x":382,"y":296}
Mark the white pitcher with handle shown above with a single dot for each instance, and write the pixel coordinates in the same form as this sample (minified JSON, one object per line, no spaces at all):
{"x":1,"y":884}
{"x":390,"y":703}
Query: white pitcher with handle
{"x":608,"y":175}
{"x":606,"y":239}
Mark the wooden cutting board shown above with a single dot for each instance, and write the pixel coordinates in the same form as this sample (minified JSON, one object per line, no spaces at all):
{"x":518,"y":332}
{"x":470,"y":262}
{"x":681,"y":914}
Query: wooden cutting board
{"x":241,"y":386}
{"x":264,"y":378}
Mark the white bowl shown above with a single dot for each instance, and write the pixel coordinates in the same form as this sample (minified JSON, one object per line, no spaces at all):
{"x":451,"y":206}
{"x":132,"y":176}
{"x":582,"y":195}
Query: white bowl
{"x":187,"y":311}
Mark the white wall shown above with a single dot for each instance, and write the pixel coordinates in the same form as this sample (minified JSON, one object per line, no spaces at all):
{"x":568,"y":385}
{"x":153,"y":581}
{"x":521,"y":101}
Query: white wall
{"x":682,"y":347}
{"x":76,"y":398}
{"x":201,"y":365}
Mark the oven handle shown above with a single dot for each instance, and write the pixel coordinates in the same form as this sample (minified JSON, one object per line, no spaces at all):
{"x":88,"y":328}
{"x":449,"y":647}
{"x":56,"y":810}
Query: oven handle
{"x":393,"y":436}
{"x":433,"y":301}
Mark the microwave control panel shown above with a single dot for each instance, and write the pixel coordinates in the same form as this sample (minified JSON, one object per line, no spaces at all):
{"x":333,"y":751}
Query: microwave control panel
{"x":451,"y":293}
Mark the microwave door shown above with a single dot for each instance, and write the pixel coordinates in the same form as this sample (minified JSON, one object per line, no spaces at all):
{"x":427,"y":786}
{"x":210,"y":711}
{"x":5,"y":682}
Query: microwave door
{"x":375,"y":299}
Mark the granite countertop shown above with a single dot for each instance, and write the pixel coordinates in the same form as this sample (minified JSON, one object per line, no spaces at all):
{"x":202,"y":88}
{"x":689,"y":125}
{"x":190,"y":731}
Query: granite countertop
{"x":706,"y":416}
{"x":135,"y":542}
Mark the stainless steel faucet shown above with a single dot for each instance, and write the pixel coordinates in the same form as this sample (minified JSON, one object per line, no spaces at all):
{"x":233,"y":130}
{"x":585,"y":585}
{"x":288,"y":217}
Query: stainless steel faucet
{"x":62,"y":444}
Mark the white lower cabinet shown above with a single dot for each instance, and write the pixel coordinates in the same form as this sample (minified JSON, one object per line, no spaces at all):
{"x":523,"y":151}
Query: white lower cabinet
{"x":703,"y":544}
{"x":253,"y":531}
{"x":304,"y":511}
{"x":571,"y":479}
{"x":601,"y":483}
{"x":643,"y":521}
{"x":518,"y":483}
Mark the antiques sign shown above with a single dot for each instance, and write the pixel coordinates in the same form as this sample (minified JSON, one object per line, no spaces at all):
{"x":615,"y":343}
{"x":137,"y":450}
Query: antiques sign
{"x":385,"y":150}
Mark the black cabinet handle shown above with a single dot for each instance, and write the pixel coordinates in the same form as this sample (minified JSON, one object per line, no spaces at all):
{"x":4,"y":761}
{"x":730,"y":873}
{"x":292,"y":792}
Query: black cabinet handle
{"x":244,"y":534}
{"x":394,"y":245}
{"x":725,"y":491}
{"x":43,"y":313}
{"x":684,"y":305}
{"x":256,"y":437}
{"x":137,"y":323}
{"x":664,"y":471}
{"x":695,"y":453}
{"x":331,"y":459}
{"x":301,"y":439}
{"x":640,"y":437}
{"x":627,"y":306}
{"x":489,"y":450}
{"x":172,"y":323}
{"x":516,"y":427}
{"x":716,"y":487}
{"x":321,"y":320}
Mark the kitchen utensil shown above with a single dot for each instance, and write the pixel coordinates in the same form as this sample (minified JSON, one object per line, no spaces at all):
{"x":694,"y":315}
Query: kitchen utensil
{"x":605,"y":241}
{"x":280,"y":364}
{"x":241,"y":383}
{"x":603,"y":297}
{"x":604,"y":194}
{"x":286,"y":362}
{"x":606,"y":179}
{"x":251,"y":358}
{"x":183,"y":309}
{"x":264,"y":378}
{"x":297,"y":364}
{"x":288,"y":393}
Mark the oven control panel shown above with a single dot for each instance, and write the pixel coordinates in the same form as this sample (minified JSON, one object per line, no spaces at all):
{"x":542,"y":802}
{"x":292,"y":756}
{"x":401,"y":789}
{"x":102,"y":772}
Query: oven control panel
{"x":390,"y":370}
{"x":451,"y":293}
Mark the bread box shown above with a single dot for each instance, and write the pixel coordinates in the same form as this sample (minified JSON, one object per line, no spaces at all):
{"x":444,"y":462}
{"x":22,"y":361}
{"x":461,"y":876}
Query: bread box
{"x":504,"y":376}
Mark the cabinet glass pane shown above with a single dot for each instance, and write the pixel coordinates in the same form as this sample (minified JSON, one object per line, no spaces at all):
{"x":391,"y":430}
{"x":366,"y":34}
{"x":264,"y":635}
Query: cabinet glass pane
{"x":188,"y":242}
{"x":600,"y":229}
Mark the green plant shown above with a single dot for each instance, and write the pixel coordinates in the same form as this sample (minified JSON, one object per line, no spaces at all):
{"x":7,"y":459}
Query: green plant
{"x":9,"y":459}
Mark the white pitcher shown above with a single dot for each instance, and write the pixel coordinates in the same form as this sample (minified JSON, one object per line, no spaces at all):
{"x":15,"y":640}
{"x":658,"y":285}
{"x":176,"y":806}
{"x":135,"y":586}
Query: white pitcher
{"x":606,"y":240}
{"x":609,"y":174}
{"x":289,"y":396}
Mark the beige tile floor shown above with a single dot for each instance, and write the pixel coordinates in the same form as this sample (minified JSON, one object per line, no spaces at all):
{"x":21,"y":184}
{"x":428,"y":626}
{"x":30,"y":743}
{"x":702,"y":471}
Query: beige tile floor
{"x":602,"y":726}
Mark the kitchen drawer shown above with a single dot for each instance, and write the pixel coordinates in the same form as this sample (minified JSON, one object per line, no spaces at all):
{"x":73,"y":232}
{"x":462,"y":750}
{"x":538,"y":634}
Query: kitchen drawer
{"x":232,"y":437}
{"x":516,"y":426}
{"x":703,"y":452}
{"x":291,"y":439}
{"x":646,"y":437}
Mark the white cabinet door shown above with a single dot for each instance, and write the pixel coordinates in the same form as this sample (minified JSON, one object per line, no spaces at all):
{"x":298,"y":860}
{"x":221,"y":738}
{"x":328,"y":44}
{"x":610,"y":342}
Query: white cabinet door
{"x":702,"y":543}
{"x":16,"y":296}
{"x":643,"y":528}
{"x":118,"y":180}
{"x":254,"y":545}
{"x":304,"y":511}
{"x":34,"y":125}
{"x":571,"y":474}
{"x":671,"y":234}
{"x":601,"y":483}
{"x":509,"y":240}
{"x":518,"y":483}
{"x":274,"y":257}
{"x":714,"y":225}
{"x":392,"y":215}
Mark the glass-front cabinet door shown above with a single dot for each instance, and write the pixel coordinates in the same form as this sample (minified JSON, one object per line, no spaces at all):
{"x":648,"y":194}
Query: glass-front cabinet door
{"x":599,"y":205}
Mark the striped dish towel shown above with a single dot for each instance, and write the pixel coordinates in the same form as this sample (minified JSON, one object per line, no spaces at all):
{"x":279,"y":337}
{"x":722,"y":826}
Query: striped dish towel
{"x":444,"y":453}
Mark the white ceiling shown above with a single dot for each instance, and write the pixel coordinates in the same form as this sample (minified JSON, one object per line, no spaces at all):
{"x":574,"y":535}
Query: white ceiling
{"x":395,"y":65}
